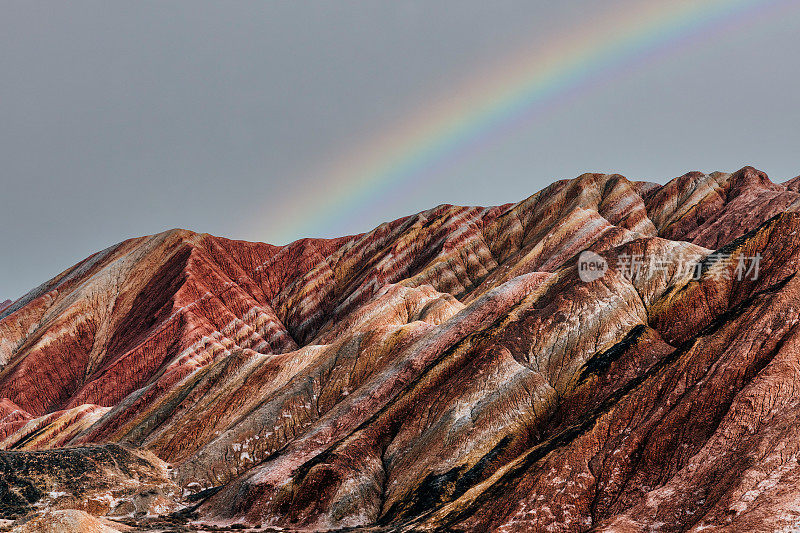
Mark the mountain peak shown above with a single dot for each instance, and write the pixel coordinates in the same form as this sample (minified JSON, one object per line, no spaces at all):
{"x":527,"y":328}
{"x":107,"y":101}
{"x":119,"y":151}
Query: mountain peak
{"x":453,"y":369}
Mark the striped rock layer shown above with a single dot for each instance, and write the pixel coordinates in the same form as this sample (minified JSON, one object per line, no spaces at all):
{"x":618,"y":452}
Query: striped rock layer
{"x":446,"y":371}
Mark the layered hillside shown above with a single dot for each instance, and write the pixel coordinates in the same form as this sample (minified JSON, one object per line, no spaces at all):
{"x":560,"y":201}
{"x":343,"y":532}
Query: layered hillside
{"x":448,"y":371}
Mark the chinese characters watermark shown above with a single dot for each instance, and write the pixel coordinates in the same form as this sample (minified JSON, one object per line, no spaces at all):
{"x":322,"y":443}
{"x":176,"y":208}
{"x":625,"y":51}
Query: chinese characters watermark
{"x":592,"y":266}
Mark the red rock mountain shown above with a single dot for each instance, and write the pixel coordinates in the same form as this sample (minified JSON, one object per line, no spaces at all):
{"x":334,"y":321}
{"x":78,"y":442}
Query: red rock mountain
{"x":448,"y":371}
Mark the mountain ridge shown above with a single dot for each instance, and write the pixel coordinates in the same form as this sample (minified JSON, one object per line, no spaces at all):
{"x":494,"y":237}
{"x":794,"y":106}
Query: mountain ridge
{"x":445,"y":370}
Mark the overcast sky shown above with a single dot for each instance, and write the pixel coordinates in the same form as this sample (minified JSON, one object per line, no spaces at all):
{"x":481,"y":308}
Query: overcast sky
{"x":121,"y":119}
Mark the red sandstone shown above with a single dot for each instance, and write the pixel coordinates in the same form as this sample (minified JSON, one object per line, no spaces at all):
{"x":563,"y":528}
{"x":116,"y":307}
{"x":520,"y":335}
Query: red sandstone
{"x":445,"y":371}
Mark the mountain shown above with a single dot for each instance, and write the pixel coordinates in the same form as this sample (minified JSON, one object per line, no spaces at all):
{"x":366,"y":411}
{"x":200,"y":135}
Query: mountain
{"x":462,"y":369}
{"x":5,"y":304}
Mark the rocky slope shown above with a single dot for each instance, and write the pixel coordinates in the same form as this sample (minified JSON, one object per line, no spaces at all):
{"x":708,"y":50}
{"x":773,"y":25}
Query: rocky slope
{"x":452,"y":370}
{"x":4,"y":304}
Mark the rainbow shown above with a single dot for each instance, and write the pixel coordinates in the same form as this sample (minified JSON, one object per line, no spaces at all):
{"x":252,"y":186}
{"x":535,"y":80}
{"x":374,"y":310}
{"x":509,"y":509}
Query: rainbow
{"x":497,"y":101}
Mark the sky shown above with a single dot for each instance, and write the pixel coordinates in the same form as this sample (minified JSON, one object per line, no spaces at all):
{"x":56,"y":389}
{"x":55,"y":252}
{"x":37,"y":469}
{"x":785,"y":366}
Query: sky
{"x":271,"y":121}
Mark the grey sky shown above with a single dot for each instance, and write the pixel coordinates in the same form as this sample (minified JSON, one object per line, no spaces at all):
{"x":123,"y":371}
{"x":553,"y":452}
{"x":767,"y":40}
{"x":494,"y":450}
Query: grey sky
{"x":120,"y":119}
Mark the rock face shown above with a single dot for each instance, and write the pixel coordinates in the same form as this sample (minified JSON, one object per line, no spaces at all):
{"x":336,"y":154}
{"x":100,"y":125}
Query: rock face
{"x":452,"y":370}
{"x":105,"y":480}
{"x":66,"y":521}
